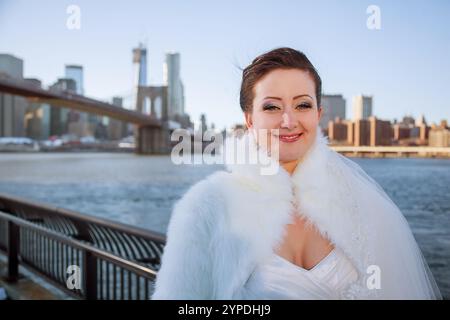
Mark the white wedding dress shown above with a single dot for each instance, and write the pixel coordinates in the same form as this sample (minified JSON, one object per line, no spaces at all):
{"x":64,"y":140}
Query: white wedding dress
{"x":280,"y":279}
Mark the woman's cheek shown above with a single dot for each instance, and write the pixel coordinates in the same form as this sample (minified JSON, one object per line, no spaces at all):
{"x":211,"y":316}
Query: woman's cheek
{"x":310,"y":121}
{"x":269,"y":123}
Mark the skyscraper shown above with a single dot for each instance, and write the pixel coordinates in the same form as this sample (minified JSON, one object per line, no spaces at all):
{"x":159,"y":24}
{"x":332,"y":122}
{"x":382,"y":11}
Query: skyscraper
{"x":171,"y":78}
{"x":37,"y":117}
{"x":75,"y":72}
{"x":333,"y":107}
{"x":78,"y":120}
{"x":140,"y":65}
{"x":362,"y":107}
{"x":203,"y":126}
{"x":59,"y":115}
{"x":140,"y":75}
{"x":12,"y":108}
{"x":117,"y":129}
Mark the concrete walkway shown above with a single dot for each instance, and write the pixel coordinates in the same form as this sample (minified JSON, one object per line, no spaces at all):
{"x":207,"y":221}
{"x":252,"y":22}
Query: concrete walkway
{"x":25,"y":288}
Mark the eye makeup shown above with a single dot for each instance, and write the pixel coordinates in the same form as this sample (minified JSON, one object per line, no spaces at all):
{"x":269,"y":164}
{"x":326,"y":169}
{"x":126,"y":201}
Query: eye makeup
{"x":273,"y":107}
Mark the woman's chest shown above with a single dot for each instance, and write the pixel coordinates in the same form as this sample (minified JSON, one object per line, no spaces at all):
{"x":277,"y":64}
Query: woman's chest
{"x":302,"y":244}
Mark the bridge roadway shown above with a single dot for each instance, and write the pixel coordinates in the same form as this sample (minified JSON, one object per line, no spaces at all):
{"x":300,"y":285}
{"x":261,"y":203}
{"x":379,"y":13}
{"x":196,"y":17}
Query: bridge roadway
{"x":152,"y":135}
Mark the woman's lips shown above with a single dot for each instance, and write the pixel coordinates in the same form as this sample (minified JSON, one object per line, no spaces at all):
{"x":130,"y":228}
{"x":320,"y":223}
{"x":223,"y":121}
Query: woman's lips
{"x":290,"y":137}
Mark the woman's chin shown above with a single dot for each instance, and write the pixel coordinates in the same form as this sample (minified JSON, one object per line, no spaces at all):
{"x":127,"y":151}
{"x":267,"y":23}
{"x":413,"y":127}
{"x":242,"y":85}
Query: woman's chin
{"x":289,"y":157}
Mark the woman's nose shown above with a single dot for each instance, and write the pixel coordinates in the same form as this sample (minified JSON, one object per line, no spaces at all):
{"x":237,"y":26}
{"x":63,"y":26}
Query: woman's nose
{"x":288,"y":121}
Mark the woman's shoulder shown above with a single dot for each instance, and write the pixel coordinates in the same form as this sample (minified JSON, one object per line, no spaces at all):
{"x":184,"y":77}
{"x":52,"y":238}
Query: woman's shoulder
{"x":209,"y":188}
{"x":204,"y":200}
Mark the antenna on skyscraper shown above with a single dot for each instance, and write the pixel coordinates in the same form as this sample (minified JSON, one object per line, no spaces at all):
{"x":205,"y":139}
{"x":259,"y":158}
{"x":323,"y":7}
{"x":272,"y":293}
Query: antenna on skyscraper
{"x":145,"y":40}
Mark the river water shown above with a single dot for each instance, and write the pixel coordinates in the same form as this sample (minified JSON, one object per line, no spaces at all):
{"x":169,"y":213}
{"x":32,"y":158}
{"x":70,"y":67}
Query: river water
{"x":141,"y":190}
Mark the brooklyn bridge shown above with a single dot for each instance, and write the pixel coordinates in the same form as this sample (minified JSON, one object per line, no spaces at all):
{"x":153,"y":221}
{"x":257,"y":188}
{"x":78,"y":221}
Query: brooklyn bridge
{"x":152,"y":133}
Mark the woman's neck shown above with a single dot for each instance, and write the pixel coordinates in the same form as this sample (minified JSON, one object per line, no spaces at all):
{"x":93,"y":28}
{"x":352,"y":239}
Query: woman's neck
{"x":290,"y":166}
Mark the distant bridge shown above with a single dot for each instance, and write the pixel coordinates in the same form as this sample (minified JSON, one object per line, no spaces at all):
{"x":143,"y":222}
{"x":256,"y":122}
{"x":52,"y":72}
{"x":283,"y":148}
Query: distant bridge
{"x":386,"y":151}
{"x":152,"y":134}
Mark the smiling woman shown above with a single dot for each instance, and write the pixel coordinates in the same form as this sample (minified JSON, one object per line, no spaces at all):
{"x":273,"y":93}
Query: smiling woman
{"x":281,"y":90}
{"x":316,"y":228}
{"x":278,"y":106}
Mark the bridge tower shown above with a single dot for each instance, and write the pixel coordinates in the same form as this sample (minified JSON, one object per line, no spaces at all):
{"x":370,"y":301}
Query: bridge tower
{"x":152,"y":101}
{"x":153,"y":140}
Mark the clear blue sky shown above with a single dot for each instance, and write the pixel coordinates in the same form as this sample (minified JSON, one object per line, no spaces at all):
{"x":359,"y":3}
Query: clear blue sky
{"x":405,"y":65}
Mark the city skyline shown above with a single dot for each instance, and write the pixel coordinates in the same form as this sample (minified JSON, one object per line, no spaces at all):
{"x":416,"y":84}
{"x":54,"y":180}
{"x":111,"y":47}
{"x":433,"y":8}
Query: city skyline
{"x":335,"y":106}
{"x":72,"y":123}
{"x":395,"y":67}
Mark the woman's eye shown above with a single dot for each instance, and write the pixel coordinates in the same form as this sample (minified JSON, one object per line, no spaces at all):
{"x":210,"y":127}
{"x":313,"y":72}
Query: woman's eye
{"x":270,"y":107}
{"x":304,"y":106}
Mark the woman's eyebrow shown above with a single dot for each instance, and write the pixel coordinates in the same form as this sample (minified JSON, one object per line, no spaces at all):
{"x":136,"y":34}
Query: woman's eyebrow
{"x":276,"y":98}
{"x":302,"y":95}
{"x":296,"y":97}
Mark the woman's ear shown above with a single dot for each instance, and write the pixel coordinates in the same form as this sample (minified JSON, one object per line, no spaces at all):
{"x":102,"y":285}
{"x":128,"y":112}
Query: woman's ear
{"x":248,"y":119}
{"x":320,"y":112}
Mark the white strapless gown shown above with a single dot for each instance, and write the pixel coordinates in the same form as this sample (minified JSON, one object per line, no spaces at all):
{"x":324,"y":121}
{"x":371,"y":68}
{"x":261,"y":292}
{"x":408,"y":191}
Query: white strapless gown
{"x":278,"y":279}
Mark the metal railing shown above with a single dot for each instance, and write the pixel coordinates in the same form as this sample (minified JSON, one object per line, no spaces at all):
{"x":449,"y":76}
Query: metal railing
{"x":110,"y":260}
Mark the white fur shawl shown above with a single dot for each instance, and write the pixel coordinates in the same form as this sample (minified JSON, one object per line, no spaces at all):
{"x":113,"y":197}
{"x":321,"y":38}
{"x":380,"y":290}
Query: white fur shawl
{"x":231,"y":221}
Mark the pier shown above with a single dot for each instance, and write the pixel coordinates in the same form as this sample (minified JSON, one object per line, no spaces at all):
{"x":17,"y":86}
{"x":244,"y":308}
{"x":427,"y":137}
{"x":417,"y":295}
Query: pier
{"x":393,"y":151}
{"x":85,"y":257}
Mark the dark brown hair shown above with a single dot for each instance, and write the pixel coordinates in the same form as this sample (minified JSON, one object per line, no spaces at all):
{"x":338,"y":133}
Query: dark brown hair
{"x":280,"y":58}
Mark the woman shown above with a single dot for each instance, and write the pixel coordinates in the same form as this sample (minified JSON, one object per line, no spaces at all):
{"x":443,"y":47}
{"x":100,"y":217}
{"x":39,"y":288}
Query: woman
{"x":301,"y":222}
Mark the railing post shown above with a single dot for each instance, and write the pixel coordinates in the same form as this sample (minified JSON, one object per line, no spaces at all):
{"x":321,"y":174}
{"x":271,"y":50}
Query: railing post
{"x":90,"y":275}
{"x":13,"y":251}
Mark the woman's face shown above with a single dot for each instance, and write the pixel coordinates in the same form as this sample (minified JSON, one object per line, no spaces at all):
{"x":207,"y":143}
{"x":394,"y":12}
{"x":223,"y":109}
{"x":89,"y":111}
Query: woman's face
{"x":285,"y":99}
